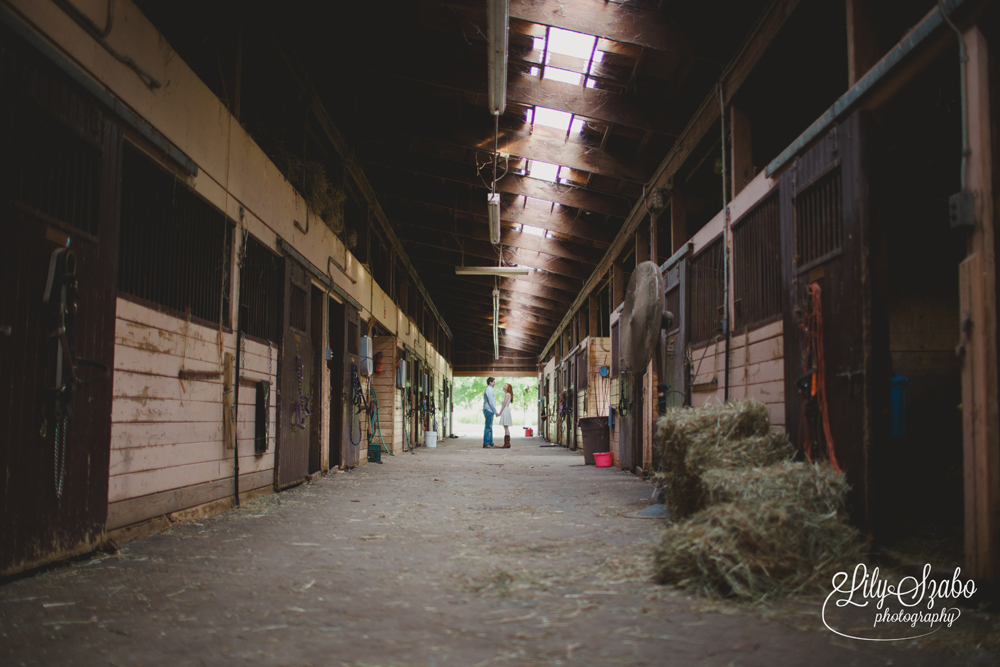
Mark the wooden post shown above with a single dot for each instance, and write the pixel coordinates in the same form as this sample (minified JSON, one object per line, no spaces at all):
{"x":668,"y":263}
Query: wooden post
{"x":654,"y":237}
{"x":595,"y":317}
{"x":977,"y":286}
{"x":617,"y":284}
{"x":228,"y":400}
{"x":742,"y":161}
{"x":862,"y":40}
{"x":641,"y":246}
{"x":678,"y":222}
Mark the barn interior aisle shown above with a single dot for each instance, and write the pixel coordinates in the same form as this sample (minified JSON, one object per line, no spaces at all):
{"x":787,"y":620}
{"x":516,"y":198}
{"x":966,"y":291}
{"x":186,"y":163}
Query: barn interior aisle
{"x":516,"y":557}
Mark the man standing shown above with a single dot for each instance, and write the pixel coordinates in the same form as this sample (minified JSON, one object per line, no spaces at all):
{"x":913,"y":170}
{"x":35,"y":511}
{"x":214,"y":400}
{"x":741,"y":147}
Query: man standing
{"x":489,"y":411}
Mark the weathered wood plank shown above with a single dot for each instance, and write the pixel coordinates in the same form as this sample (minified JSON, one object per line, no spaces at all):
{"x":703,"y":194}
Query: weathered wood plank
{"x":128,"y":409}
{"x":134,"y":510}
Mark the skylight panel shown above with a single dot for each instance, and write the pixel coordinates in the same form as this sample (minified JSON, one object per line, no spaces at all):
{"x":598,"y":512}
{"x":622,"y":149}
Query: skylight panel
{"x":565,"y":76}
{"x":534,"y":231}
{"x":571,"y":43}
{"x":544,"y":171}
{"x":552,"y":118}
{"x":577,"y":126}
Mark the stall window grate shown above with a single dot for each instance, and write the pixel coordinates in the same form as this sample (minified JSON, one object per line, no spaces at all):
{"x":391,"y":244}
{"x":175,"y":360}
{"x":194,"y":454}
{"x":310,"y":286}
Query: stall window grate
{"x":707,"y":294}
{"x":174,"y":248}
{"x":55,"y":172}
{"x":262,"y":417}
{"x":581,"y":369}
{"x":297,"y":309}
{"x":819,"y":219}
{"x":262,"y":278}
{"x":757,"y":265}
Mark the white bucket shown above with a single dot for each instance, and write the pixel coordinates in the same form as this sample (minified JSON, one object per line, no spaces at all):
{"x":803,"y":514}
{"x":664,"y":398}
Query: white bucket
{"x":430,"y":439}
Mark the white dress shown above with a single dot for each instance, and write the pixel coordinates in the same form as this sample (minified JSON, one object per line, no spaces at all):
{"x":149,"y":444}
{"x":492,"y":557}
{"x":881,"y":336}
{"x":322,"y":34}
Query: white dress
{"x":505,"y":418}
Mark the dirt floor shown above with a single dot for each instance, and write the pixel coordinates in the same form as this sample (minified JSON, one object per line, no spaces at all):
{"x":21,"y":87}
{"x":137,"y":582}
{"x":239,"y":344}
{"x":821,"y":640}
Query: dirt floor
{"x":452,"y":556}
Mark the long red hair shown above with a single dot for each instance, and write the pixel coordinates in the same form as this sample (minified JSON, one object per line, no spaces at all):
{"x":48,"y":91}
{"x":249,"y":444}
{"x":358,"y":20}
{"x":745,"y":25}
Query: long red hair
{"x":509,"y":390}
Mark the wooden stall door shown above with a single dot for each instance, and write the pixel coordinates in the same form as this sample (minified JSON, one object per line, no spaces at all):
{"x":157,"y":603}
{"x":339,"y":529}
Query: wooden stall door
{"x":673,"y":343}
{"x":296,"y":369}
{"x":59,"y":184}
{"x":353,"y":439}
{"x":824,"y":237}
{"x":315,"y":386}
{"x":336,"y":331}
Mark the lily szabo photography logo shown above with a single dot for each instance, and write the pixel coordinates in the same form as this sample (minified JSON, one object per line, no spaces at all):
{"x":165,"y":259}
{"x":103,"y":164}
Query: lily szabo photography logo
{"x":910,"y":608}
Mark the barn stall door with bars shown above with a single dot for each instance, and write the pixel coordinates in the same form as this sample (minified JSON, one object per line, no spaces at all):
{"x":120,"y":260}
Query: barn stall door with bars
{"x":673,"y":343}
{"x":59,"y":192}
{"x":294,"y":402}
{"x":824,"y":235}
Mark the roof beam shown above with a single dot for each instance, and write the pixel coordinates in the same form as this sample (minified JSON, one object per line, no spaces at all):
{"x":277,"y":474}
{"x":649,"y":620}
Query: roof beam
{"x":483,"y":288}
{"x":567,"y":195}
{"x":561,"y":286}
{"x":509,"y":236}
{"x":456,"y":200}
{"x":520,"y":139}
{"x":626,"y":109}
{"x":543,"y":306}
{"x":735,"y":74}
{"x":611,"y":20}
{"x":484,"y":250}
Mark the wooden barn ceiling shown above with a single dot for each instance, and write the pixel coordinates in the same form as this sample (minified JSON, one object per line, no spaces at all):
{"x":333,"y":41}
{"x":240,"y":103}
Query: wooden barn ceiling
{"x":405,"y":83}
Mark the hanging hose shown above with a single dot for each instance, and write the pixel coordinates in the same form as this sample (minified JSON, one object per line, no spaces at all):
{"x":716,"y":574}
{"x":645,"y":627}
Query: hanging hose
{"x":358,"y":400}
{"x":373,"y":421}
{"x":813,"y":385}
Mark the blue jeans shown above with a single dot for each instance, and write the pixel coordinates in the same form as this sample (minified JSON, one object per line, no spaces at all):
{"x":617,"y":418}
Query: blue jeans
{"x":488,"y":431}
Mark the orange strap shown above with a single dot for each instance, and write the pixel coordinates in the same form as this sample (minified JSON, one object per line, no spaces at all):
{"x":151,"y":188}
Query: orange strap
{"x":812,"y":327}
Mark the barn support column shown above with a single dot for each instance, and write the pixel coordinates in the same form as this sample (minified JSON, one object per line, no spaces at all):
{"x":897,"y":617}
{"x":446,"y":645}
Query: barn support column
{"x":678,"y":222}
{"x":617,"y":284}
{"x":977,"y":284}
{"x":742,"y":163}
{"x":862,"y":40}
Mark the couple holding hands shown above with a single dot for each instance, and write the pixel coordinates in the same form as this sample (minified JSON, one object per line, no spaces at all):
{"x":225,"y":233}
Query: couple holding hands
{"x":490,"y":410}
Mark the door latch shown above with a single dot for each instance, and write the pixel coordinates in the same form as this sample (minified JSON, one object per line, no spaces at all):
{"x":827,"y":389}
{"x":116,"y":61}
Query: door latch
{"x":850,"y":375}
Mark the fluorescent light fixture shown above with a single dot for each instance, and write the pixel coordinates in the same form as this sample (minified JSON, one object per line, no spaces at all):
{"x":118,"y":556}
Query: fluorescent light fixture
{"x":497,"y":13}
{"x":491,"y":270}
{"x":493,"y":206}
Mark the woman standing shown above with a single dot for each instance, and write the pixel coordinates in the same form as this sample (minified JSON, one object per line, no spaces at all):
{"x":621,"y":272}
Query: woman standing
{"x":505,"y":419}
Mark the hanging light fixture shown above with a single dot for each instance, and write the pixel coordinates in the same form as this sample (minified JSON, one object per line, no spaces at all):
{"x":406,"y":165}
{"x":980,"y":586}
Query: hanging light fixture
{"x":497,"y":13}
{"x":491,"y":270}
{"x":493,"y":207}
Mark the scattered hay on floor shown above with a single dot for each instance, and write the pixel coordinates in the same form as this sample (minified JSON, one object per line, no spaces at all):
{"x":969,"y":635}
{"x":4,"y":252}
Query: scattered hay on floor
{"x":771,"y":549}
{"x":814,"y":488}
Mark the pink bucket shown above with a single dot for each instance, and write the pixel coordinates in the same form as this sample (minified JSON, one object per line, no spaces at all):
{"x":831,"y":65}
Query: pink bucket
{"x":602,"y":459}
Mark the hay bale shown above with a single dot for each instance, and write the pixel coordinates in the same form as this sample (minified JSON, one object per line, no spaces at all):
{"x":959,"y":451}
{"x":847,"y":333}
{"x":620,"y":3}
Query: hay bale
{"x":310,"y":178}
{"x":754,"y":553}
{"x":815,"y":488}
{"x":728,"y":435}
{"x":755,"y":451}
